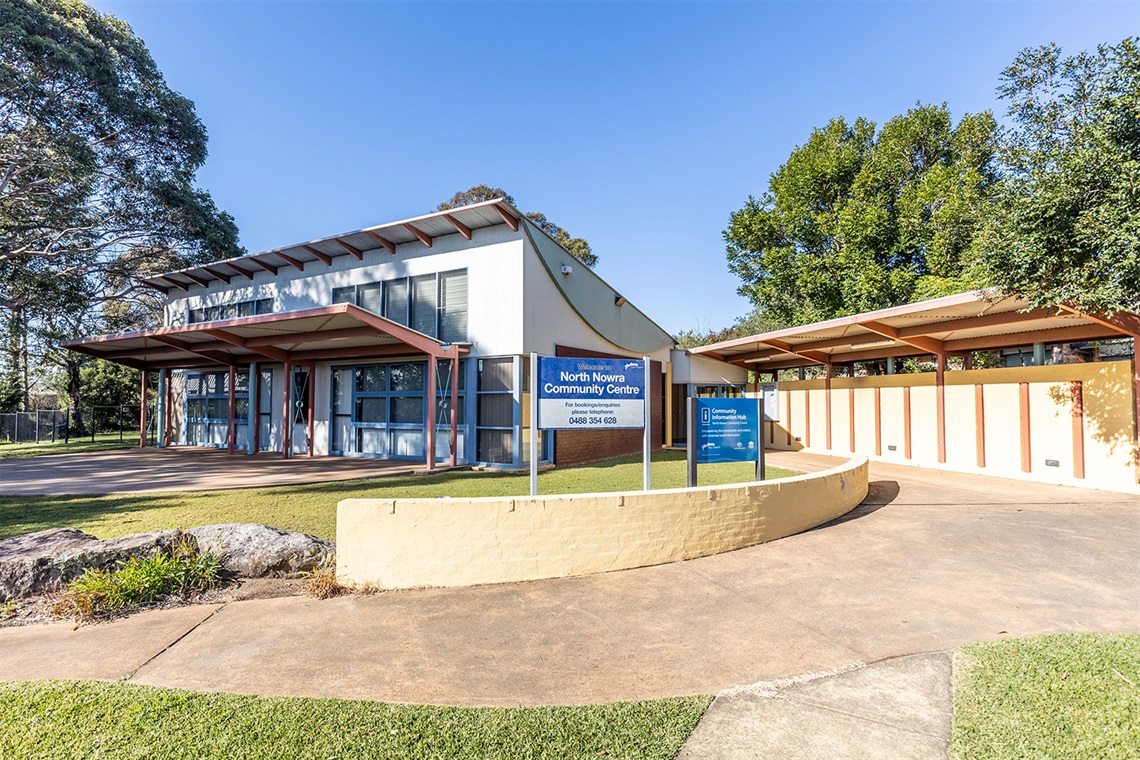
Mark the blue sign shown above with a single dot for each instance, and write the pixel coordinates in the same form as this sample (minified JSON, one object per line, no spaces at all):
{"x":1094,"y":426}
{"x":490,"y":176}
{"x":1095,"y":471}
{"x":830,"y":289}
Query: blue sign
{"x":728,"y":430}
{"x":579,"y":394}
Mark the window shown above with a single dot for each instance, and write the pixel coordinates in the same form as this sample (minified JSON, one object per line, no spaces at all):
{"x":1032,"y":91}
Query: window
{"x":424,"y":304}
{"x":248,"y":308}
{"x":380,"y":410}
{"x":433,"y":304}
{"x":453,"y":306}
{"x":208,"y":409}
{"x":396,"y":301}
{"x":369,"y":297}
{"x":496,"y":408}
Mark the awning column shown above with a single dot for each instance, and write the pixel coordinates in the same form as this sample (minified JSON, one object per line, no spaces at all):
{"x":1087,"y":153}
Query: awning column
{"x":142,"y":411}
{"x":940,"y":380}
{"x":454,"y":410}
{"x":252,"y":432}
{"x":231,"y":428}
{"x":429,"y":437}
{"x":287,"y":411}
{"x":312,"y":385}
{"x":160,"y":426}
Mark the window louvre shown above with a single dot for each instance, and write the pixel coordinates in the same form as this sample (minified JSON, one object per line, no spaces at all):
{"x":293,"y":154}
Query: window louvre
{"x":453,"y":306}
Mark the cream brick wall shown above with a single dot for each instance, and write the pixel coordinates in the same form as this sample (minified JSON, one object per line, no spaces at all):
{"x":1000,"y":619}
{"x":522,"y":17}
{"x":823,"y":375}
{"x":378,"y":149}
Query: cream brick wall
{"x":1106,"y":433}
{"x":406,"y":543}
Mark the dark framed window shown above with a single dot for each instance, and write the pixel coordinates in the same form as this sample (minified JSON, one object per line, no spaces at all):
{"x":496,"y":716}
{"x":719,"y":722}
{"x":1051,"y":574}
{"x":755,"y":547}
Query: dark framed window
{"x":433,"y":304}
{"x":380,"y":410}
{"x":496,"y":410}
{"x":249,"y":308}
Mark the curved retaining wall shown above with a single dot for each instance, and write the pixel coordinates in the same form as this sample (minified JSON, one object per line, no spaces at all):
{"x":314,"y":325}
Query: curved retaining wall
{"x":405,"y":543}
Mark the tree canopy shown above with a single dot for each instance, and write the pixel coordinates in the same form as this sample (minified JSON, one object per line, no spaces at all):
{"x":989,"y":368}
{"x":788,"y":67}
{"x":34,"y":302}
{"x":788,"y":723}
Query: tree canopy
{"x":575,"y":245}
{"x":861,"y":218}
{"x":1065,"y":224}
{"x":97,"y":163}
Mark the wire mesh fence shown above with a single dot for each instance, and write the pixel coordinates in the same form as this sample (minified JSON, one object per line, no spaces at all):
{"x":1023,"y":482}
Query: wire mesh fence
{"x":84,"y":424}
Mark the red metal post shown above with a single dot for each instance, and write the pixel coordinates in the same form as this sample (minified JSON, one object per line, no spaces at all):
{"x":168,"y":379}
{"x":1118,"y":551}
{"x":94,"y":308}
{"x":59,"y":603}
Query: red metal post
{"x":287,"y":411}
{"x":231,"y":428}
{"x":142,"y":411}
{"x":430,"y":432}
{"x":312,"y":407}
{"x":940,"y":379}
{"x":827,"y":404}
{"x":1078,"y":429}
{"x":1026,"y":441}
{"x":454,"y":409}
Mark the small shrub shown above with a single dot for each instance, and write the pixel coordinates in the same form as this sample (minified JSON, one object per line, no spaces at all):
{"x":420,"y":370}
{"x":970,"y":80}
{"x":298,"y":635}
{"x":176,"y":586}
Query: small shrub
{"x":321,"y":582}
{"x":139,"y":581}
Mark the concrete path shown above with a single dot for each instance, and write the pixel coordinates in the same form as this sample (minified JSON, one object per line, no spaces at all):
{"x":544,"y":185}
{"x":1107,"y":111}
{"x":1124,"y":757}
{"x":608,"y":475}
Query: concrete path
{"x":178,"y":469}
{"x":900,"y":708}
{"x":930,"y":561}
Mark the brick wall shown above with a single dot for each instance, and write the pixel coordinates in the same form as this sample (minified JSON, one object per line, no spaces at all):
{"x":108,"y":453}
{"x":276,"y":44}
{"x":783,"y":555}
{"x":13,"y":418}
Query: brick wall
{"x":578,"y":446}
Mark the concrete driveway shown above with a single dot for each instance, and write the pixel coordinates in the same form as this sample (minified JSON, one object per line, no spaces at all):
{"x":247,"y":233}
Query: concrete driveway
{"x":930,"y":561}
{"x":182,"y":468}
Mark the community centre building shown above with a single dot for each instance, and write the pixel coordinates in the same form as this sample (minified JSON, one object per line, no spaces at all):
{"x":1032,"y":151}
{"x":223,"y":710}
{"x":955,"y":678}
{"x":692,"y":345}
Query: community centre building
{"x":394,"y":341}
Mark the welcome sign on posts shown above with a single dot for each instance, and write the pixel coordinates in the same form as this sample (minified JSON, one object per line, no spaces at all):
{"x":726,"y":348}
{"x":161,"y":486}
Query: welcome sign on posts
{"x":580,"y":394}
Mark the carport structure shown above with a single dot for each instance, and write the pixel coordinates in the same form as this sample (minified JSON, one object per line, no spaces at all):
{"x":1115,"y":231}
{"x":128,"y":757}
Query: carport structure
{"x":292,"y":339}
{"x":939,"y":329}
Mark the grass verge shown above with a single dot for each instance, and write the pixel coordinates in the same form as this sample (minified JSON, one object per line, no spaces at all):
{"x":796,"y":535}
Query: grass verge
{"x":103,"y":442}
{"x":86,"y":719}
{"x":312,"y":508}
{"x":1065,"y":696}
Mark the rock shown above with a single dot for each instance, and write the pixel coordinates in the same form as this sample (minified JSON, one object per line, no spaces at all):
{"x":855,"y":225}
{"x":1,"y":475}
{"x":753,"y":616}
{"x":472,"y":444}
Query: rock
{"x":37,"y":563}
{"x":254,"y":551}
{"x":115,"y":551}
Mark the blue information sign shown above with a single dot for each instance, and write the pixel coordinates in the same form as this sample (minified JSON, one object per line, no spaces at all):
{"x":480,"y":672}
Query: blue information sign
{"x":578,"y":394}
{"x":728,"y":430}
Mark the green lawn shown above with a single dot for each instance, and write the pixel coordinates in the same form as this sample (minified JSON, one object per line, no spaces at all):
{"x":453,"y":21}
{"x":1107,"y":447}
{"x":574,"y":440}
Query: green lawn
{"x":1068,"y":696}
{"x":312,"y":508}
{"x":102,"y":442}
{"x":87,"y":719}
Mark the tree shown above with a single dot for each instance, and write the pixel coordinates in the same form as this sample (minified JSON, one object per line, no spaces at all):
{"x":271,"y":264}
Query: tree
{"x":97,"y":163}
{"x":578,"y":247}
{"x":1065,"y":225}
{"x":860,"y":219}
{"x":752,"y":323}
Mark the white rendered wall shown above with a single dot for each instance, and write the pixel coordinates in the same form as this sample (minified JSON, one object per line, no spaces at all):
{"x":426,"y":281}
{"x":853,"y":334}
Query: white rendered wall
{"x":550,"y":321}
{"x":701,"y":370}
{"x":493,"y":260}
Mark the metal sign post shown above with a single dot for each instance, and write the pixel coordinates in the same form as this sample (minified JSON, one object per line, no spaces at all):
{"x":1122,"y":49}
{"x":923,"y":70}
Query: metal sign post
{"x":760,"y":442}
{"x":691,"y":440}
{"x":576,"y":393}
{"x":648,"y":450}
{"x":533,"y":424}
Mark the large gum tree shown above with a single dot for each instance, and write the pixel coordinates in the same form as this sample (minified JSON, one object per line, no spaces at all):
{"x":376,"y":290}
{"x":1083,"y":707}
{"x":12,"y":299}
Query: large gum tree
{"x":97,"y":164}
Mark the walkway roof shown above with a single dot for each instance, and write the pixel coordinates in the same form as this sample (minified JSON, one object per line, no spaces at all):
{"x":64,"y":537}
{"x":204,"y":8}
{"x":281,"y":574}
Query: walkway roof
{"x":423,"y":229}
{"x":341,"y":331}
{"x":952,"y":325}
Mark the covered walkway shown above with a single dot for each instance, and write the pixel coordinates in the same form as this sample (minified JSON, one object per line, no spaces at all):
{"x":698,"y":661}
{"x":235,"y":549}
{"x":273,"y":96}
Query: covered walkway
{"x":179,"y":469}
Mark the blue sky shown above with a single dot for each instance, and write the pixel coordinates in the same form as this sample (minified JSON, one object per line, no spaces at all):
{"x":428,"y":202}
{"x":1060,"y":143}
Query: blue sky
{"x":638,"y":126}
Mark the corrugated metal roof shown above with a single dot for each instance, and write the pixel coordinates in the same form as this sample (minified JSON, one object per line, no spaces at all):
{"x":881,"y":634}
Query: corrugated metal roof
{"x":433,"y":225}
{"x":960,"y":323}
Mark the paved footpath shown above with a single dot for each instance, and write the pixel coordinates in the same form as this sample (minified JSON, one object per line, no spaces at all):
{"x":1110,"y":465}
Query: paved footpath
{"x":900,"y":708}
{"x":930,"y":561}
